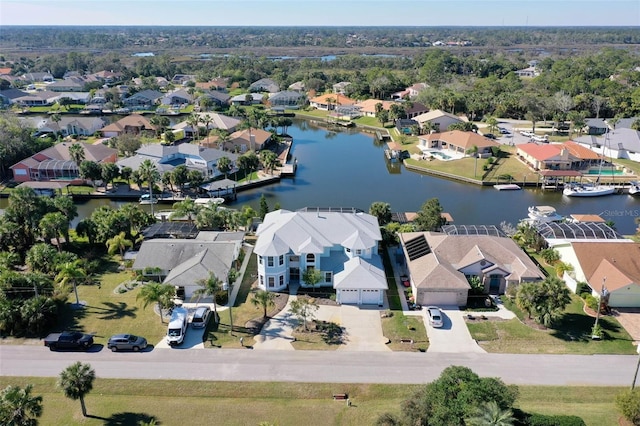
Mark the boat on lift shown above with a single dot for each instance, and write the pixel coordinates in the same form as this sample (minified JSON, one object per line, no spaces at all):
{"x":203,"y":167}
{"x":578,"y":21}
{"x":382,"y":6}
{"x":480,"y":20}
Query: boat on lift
{"x":634,"y":189}
{"x":544,"y":214}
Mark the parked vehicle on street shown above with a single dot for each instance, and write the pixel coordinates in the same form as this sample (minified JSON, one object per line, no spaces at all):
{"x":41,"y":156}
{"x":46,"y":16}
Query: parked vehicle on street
{"x":177,"y":326}
{"x":68,"y":340}
{"x":126,"y":342}
{"x":201,"y":317}
{"x":435,"y":316}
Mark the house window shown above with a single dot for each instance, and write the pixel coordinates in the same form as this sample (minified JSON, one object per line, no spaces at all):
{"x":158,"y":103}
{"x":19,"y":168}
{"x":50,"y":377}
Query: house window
{"x":270,"y":261}
{"x":311,"y":258}
{"x":272,"y":282}
{"x":358,"y":252}
{"x":262,"y":280}
{"x":281,"y":260}
{"x":294,"y":258}
{"x":260,"y":260}
{"x":348,"y":250}
{"x":281,"y":280}
{"x":328,"y":276}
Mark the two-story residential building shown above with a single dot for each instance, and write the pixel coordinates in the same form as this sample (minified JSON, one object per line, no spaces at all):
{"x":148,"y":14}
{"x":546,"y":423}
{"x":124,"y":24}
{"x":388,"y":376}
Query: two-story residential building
{"x":342,"y":244}
{"x":166,"y":158}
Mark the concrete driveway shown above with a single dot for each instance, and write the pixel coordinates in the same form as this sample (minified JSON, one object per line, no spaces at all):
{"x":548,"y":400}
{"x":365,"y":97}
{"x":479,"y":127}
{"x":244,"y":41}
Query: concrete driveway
{"x":362,"y":328}
{"x":453,"y":336}
{"x":629,"y":319}
{"x":192,"y":340}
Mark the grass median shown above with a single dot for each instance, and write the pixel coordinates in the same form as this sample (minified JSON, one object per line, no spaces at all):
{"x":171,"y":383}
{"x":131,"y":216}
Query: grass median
{"x":171,"y":402}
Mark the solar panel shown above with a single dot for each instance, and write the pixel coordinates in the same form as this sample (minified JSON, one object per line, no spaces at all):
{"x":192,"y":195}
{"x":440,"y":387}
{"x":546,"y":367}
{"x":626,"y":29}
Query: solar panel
{"x":417,"y":247}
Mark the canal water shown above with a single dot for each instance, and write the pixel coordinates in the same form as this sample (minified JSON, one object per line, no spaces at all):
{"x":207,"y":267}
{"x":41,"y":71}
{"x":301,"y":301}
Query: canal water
{"x":348,"y":168}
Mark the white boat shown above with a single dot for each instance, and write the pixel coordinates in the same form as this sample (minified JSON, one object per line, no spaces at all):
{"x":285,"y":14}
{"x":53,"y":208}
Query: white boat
{"x":544,"y":214}
{"x":587,"y":190}
{"x":206,"y":201}
{"x":634,"y":189}
{"x":147,"y":199}
{"x":507,"y":187}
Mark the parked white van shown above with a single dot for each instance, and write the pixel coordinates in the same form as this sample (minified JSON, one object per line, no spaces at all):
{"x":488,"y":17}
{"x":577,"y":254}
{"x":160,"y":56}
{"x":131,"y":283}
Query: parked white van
{"x":177,"y":326}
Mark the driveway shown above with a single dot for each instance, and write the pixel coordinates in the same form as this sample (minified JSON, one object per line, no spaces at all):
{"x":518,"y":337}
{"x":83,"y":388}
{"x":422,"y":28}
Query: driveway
{"x":362,"y":326}
{"x":629,"y":318}
{"x":453,"y":336}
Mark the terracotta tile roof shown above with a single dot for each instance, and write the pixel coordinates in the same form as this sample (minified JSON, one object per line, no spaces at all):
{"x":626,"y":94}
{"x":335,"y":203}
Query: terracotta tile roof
{"x":580,"y":151}
{"x":619,"y":262}
{"x":4,"y":71}
{"x":587,"y":218}
{"x":465,"y":140}
{"x":540,"y":152}
{"x":336,"y":99}
{"x":369,"y":105}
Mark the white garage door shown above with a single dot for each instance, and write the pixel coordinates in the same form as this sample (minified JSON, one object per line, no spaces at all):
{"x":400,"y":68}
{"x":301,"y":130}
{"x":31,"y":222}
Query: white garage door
{"x":439,"y":299}
{"x":370,"y":297}
{"x":348,"y":297}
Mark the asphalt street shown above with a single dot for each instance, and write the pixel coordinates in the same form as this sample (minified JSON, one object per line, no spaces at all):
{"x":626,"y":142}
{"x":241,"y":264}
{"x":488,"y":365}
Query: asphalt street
{"x":321,"y":366}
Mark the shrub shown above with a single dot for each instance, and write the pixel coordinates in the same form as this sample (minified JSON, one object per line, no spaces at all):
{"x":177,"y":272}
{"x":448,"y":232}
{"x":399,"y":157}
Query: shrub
{"x":583,"y":287}
{"x":628,"y":402}
{"x":222,"y":297}
{"x":591,"y":302}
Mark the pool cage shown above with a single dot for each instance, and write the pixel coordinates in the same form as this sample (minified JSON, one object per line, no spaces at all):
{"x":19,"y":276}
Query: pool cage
{"x":56,"y":169}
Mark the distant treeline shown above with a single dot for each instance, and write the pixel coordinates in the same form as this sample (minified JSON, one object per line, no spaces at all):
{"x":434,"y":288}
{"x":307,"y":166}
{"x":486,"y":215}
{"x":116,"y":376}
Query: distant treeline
{"x":111,"y":37}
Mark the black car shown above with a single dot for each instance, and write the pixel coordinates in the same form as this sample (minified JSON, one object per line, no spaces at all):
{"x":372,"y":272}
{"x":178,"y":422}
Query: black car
{"x":68,"y":340}
{"x":126,"y":342}
{"x":490,"y":136}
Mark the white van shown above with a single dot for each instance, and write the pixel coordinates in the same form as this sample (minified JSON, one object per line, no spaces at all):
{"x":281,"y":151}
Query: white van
{"x":177,"y":326}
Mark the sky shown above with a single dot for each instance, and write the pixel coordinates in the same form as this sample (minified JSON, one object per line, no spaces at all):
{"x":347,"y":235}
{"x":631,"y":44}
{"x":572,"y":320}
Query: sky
{"x":321,"y":13}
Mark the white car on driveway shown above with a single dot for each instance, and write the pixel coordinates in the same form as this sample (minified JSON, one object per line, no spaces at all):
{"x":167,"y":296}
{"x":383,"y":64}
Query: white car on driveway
{"x":435,"y":316}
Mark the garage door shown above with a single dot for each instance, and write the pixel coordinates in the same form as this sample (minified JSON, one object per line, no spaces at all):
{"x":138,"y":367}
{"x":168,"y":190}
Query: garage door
{"x":439,"y":299}
{"x":624,"y":300}
{"x":349,"y":297}
{"x":370,"y":297}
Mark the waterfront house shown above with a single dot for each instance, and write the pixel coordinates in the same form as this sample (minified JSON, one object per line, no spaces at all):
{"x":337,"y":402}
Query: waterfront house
{"x":69,"y":125}
{"x":177,"y":98}
{"x":247,"y":99}
{"x":440,"y":265}
{"x":135,"y":124}
{"x":368,"y":107}
{"x":216,"y":97}
{"x":184,"y":262}
{"x":9,"y":96}
{"x":247,"y":139}
{"x":457,"y":141}
{"x":287,"y":99}
{"x":341,"y":244}
{"x":143,"y":100}
{"x":167,"y":157}
{"x":439,"y":119}
{"x":330,"y":101}
{"x":214,"y":121}
{"x":55,"y":163}
{"x":544,"y":156}
{"x":38,"y":98}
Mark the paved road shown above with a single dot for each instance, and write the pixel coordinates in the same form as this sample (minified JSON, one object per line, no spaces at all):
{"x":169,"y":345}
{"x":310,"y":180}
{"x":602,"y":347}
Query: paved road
{"x":330,"y":367}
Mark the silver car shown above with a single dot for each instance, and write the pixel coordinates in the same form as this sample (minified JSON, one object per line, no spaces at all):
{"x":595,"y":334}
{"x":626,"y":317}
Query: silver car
{"x":435,"y":316}
{"x":126,"y":342}
{"x":200,"y":317}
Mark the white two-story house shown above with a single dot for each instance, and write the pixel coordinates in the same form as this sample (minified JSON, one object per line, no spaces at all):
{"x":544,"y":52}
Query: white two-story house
{"x":341,"y":243}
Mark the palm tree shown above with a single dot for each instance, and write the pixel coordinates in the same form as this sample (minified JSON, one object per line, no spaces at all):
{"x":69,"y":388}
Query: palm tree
{"x":223,"y":138}
{"x":118,"y":243}
{"x":149,"y":172}
{"x":490,"y":414}
{"x":185,"y":208}
{"x":52,"y":225}
{"x":77,"y":154}
{"x":193,"y":121}
{"x":209,"y":287}
{"x":206,"y":120}
{"x":71,"y":273}
{"x":18,"y":407}
{"x":263,"y":299}
{"x":160,"y":294}
{"x":56,"y":119}
{"x":269,"y":160}
{"x":76,"y":381}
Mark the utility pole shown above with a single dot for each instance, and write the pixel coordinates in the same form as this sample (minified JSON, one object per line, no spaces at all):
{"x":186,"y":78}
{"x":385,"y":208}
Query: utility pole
{"x":602,"y":295}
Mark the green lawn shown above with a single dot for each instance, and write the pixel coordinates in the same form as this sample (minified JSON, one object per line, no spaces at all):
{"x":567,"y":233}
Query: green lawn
{"x":113,"y":402}
{"x":571,"y":334}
